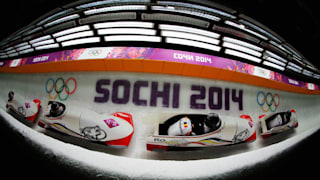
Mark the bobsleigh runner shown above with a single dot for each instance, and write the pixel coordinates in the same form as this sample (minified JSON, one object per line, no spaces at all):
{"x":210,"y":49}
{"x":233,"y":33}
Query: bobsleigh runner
{"x":19,"y":106}
{"x":278,"y":122}
{"x":114,"y":130}
{"x":201,"y":130}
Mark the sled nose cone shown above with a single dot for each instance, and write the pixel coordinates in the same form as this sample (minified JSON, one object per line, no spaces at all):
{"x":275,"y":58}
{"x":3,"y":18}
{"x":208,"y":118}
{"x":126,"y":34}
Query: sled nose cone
{"x":126,"y":132}
{"x":252,"y":138}
{"x":249,"y":124}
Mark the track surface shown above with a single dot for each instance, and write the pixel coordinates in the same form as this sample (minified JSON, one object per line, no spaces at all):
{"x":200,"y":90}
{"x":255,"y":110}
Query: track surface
{"x":122,"y":87}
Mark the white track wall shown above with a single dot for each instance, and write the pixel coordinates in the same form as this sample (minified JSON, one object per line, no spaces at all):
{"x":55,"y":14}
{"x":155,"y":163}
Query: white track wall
{"x":148,"y":109}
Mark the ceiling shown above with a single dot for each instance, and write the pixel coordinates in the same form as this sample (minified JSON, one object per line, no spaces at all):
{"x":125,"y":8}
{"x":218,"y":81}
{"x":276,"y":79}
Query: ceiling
{"x":297,"y":21}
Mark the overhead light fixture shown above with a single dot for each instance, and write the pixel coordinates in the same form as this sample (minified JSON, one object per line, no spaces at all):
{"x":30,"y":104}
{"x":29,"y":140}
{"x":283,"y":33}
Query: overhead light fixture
{"x":267,"y":63}
{"x":189,"y":30}
{"x":98,"y":3}
{"x":270,"y":54}
{"x":231,"y":23}
{"x":40,"y":39}
{"x":292,"y":50}
{"x":235,"y":32}
{"x":71,"y":30}
{"x":108,"y":17}
{"x":317,"y":76}
{"x":26,"y":51}
{"x":21,"y":44}
{"x":55,"y":15}
{"x":242,"y":55}
{"x":81,"y":41}
{"x":192,"y":43}
{"x":185,"y":11}
{"x":241,"y":48}
{"x":242,"y":43}
{"x":33,"y":30}
{"x":175,"y":18}
{"x":280,"y":47}
{"x":184,"y":35}
{"x":23,"y":47}
{"x":242,"y":27}
{"x":274,"y":61}
{"x":13,"y":54}
{"x":49,"y":46}
{"x":49,"y":41}
{"x":67,"y":18}
{"x":124,"y":24}
{"x":259,"y":29}
{"x":307,"y":73}
{"x":133,"y":38}
{"x":11,"y":51}
{"x":216,"y":11}
{"x":294,"y":69}
{"x":75,"y":35}
{"x":115,"y":8}
{"x":127,"y":31}
{"x":295,"y":66}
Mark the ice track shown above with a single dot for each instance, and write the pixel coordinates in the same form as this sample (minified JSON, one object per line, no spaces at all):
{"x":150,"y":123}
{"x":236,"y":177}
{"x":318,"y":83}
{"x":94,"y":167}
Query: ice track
{"x":144,"y":116}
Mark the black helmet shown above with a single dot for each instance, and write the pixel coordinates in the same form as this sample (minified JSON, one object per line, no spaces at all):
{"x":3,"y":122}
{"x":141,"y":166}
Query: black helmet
{"x":11,"y":94}
{"x":288,"y":113}
{"x":287,"y":116}
{"x":54,"y":106}
{"x":212,"y":121}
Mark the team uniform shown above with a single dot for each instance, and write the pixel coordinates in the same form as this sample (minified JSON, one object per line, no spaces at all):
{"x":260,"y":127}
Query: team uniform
{"x":183,"y":127}
{"x":280,"y":119}
{"x":186,"y":127}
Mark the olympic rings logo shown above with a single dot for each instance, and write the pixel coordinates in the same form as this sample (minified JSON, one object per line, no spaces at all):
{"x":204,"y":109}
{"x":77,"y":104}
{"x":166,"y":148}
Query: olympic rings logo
{"x":268,"y":101}
{"x":59,"y":86}
{"x":95,"y":52}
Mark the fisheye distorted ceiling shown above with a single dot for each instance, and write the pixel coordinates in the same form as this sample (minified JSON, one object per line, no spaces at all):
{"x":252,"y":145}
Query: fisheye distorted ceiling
{"x":296,"y":21}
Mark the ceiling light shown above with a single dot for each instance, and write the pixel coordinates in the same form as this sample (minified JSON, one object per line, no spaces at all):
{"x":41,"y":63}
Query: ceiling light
{"x":267,"y":63}
{"x":124,"y":24}
{"x":75,"y":35}
{"x":192,"y":43}
{"x":127,"y":31}
{"x":133,"y":38}
{"x":189,"y":30}
{"x":81,"y":41}
{"x":242,"y":55}
{"x":72,"y":30}
{"x":184,"y":35}
{"x":115,"y":8}
{"x":241,"y":48}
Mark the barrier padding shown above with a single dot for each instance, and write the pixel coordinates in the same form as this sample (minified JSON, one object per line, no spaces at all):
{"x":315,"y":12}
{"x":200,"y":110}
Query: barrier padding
{"x":156,"y":66}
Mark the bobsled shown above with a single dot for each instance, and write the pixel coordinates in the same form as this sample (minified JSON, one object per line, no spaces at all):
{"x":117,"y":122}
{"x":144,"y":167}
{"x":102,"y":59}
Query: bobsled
{"x":112,"y":129}
{"x":227,"y":131}
{"x":18,"y":105}
{"x":278,"y":122}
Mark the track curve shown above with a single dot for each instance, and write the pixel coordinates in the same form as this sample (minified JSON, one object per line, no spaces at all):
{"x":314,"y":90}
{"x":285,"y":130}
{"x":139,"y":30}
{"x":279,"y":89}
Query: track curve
{"x":83,"y":93}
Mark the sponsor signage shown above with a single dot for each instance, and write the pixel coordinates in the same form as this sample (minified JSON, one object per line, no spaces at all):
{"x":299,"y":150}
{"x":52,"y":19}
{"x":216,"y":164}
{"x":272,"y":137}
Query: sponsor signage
{"x":170,"y":55}
{"x":166,"y":94}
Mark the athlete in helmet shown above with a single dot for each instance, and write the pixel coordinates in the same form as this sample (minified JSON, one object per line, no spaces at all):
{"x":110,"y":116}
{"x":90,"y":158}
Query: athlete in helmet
{"x":210,"y":123}
{"x":54,"y":110}
{"x":195,"y":126}
{"x":279,"y":119}
{"x":11,"y":95}
{"x":183,"y":127}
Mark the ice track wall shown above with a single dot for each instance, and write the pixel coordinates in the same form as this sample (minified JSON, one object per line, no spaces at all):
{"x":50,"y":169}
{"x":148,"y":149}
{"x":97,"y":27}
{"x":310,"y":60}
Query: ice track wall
{"x":151,"y":98}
